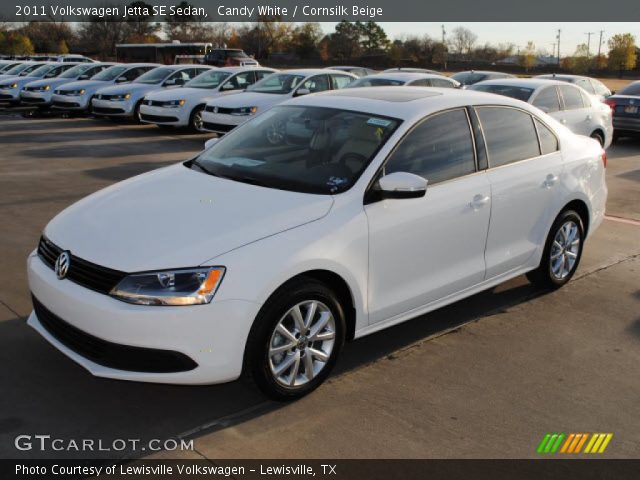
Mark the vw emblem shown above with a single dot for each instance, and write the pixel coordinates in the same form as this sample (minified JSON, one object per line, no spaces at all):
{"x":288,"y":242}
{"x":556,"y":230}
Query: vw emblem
{"x":62,"y":265}
{"x":632,"y":102}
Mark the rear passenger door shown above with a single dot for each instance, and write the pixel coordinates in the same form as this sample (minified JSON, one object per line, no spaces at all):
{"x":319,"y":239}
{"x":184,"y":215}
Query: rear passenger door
{"x":575,"y":114}
{"x":525,"y":166}
{"x":424,"y":249}
{"x":340,"y":81}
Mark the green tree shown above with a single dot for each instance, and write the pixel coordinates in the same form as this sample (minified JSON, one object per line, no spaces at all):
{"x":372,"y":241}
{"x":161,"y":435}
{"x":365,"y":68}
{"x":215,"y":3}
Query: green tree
{"x":140,"y":26}
{"x":581,"y":60}
{"x":63,"y":48}
{"x":344,"y":44}
{"x":17,"y":44}
{"x":305,"y":39}
{"x":622,"y":52}
{"x":373,"y":38}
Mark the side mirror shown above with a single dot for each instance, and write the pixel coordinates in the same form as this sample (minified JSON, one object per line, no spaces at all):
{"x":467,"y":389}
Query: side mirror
{"x":228,"y":86}
{"x":83,"y":77}
{"x":174,"y":81}
{"x":613,"y":92}
{"x":121,"y":79}
{"x":211,"y":142}
{"x":302,"y":91}
{"x":402,"y":185}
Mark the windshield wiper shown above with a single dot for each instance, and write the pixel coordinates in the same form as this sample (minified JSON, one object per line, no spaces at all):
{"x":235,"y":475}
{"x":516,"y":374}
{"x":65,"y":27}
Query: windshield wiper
{"x":236,"y":178}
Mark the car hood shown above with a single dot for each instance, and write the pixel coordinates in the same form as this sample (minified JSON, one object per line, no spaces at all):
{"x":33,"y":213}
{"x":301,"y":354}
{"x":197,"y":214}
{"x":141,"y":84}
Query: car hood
{"x":186,"y":93}
{"x":130,"y":88}
{"x":86,"y":84}
{"x":177,"y":217}
{"x":252,"y":99}
{"x":52,"y":82}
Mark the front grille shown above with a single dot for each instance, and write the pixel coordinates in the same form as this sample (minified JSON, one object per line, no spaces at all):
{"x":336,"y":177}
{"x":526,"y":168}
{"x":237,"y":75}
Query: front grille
{"x":6,"y":97}
{"x":214,"y":109}
{"x":107,"y":110}
{"x":58,"y":104}
{"x":89,"y":275}
{"x":157,"y":118}
{"x":218,"y":127}
{"x":32,"y":100}
{"x":108,"y":354}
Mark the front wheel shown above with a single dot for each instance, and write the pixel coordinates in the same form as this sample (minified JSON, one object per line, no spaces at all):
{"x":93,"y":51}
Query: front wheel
{"x":196,"y":122}
{"x":562,"y":252}
{"x":296,"y":340}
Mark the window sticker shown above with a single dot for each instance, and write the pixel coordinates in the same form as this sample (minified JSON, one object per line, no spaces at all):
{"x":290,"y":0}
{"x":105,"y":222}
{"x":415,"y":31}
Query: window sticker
{"x":379,"y":122}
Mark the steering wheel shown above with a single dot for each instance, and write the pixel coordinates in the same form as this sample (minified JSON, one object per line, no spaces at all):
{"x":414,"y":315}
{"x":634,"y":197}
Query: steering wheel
{"x":275,"y":133}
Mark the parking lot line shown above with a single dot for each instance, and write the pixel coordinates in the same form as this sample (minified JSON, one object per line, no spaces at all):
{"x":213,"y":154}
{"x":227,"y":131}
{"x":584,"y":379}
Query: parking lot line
{"x":628,"y":221}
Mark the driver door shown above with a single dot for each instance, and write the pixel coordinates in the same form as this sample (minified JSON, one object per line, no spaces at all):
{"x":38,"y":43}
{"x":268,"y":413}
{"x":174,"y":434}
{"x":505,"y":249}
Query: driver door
{"x":424,"y":249}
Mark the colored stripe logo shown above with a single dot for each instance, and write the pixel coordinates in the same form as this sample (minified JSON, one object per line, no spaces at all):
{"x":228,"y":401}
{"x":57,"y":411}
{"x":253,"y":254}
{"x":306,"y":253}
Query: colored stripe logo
{"x":573,"y":443}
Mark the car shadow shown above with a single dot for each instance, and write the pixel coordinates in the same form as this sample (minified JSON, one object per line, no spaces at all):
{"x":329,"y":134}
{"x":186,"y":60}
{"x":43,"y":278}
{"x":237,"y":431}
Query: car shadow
{"x":49,"y":394}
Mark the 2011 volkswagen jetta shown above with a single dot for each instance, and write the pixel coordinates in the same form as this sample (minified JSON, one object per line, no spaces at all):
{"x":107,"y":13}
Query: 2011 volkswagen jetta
{"x":322,"y":220}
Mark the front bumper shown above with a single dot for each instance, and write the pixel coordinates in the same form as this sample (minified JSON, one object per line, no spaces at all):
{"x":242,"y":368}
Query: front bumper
{"x":70,"y":102}
{"x":213,"y":336}
{"x":11,"y":95}
{"x":178,"y":117}
{"x":113,"y":108}
{"x":29,"y":97}
{"x":222,"y":123}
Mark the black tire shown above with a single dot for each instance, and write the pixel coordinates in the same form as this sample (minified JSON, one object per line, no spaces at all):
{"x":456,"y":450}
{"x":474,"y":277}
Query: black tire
{"x":257,"y":361}
{"x":543,"y":276}
{"x":136,"y":112}
{"x":616,"y":137}
{"x":599,"y":137}
{"x":195,"y":114}
{"x":90,"y":107}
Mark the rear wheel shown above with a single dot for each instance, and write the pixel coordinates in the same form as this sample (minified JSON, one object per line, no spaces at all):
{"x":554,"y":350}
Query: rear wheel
{"x":296,"y":339}
{"x":562,"y":252}
{"x":599,"y":137}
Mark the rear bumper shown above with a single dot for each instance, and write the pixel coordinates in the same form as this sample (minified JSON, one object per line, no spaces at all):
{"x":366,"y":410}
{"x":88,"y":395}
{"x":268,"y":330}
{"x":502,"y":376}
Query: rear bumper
{"x":626,"y":124}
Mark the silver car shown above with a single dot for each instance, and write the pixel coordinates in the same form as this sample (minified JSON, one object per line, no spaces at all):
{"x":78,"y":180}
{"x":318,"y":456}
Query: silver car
{"x":572,"y":106}
{"x":591,"y":85}
{"x":125,"y":100}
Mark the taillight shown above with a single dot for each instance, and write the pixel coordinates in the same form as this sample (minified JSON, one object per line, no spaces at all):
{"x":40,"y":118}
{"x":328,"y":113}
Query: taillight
{"x":604,"y":158}
{"x":611,"y":103}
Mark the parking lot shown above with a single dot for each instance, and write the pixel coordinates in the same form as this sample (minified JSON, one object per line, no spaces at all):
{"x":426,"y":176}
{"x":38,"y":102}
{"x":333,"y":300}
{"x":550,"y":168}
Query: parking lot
{"x":485,"y":378}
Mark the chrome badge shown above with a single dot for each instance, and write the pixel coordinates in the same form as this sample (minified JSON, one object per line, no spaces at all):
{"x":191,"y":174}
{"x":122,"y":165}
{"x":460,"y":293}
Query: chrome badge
{"x":63,"y":262}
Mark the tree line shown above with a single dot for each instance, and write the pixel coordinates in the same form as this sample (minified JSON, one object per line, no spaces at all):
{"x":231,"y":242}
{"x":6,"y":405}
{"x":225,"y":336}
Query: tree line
{"x":271,"y":38}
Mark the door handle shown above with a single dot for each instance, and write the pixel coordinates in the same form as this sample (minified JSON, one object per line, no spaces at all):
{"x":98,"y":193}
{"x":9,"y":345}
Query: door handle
{"x":550,"y":180}
{"x":589,"y":117}
{"x":564,"y":120}
{"x":479,"y":201}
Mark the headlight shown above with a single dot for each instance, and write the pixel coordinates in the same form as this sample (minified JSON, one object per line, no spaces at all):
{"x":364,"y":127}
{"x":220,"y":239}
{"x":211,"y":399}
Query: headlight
{"x":121,"y":98}
{"x":175,"y":103}
{"x":194,"y":286}
{"x":13,"y":85}
{"x":46,"y":88}
{"x":245,"y":111}
{"x":82,"y":91}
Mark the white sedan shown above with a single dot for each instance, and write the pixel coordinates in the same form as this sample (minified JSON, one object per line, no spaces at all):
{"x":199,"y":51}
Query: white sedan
{"x":184,"y":106}
{"x":324,"y":219}
{"x":224,"y":114}
{"x":572,"y":106}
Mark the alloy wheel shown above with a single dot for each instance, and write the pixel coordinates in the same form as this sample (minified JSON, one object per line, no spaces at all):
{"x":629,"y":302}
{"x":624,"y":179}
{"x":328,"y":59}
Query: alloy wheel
{"x":301,"y":343}
{"x":564,"y":250}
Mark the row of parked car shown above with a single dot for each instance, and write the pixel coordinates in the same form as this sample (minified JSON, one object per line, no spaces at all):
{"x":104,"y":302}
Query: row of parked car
{"x":207,"y":98}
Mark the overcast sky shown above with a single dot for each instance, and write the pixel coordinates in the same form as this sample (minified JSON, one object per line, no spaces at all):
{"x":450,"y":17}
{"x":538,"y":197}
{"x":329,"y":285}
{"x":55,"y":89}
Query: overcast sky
{"x":519,"y":33}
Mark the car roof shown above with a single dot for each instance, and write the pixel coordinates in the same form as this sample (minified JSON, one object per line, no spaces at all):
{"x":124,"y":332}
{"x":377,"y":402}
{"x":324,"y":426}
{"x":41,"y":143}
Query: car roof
{"x":140,"y":64}
{"x":245,"y":68}
{"x":311,"y":71}
{"x":484,"y":72}
{"x":407,"y":76}
{"x":403,"y":102}
{"x":567,"y":76}
{"x":523,"y":82}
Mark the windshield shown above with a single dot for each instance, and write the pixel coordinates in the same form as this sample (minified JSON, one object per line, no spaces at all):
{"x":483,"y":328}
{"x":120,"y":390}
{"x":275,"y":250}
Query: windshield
{"x":18,"y":68}
{"x":376,"y":82}
{"x":7,"y":66}
{"x":154,"y":76}
{"x":211,"y":79}
{"x":519,"y":93}
{"x":110,"y":73}
{"x":41,"y":71}
{"x":469,"y":78}
{"x":280,"y":83}
{"x":30,"y":69}
{"x":632,"y":89}
{"x":236,"y":54}
{"x":76,"y":71}
{"x":299,"y":148}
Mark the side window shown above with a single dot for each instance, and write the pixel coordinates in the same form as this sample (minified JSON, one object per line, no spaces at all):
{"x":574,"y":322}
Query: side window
{"x":600,"y":89}
{"x":260,"y":74}
{"x":198,"y":71}
{"x":547,"y":100}
{"x":509,"y":134}
{"x":586,"y":84}
{"x":437,"y":82}
{"x":182,"y":75}
{"x":319,"y":83}
{"x":134,"y":73}
{"x":548,"y":141}
{"x":340,"y":81}
{"x":586,"y":100}
{"x":438,"y":149}
{"x":241,"y":80}
{"x":571,"y":96}
{"x":423,"y":82}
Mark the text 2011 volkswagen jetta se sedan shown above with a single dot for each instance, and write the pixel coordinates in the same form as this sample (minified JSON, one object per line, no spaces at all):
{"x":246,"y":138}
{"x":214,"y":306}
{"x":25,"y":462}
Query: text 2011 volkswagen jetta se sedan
{"x":323,"y":219}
